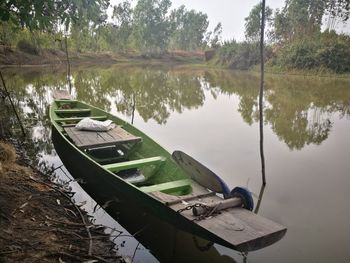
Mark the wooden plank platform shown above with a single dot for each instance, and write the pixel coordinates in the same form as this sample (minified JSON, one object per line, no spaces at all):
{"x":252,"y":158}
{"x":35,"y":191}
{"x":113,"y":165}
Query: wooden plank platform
{"x":238,"y":226}
{"x":61,"y":95}
{"x":93,"y":139}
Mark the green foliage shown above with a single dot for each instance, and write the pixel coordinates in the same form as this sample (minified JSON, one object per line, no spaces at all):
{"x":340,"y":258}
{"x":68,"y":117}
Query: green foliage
{"x":8,"y":33}
{"x":27,"y":47}
{"x":297,"y":19}
{"x":335,"y":52}
{"x":338,"y":8}
{"x":297,"y":41}
{"x":253,"y":22}
{"x":300,"y":55}
{"x":118,"y":34}
{"x":215,"y":40}
{"x":151,"y":26}
{"x":188,"y":29}
{"x":238,"y":55}
{"x":327,"y":50}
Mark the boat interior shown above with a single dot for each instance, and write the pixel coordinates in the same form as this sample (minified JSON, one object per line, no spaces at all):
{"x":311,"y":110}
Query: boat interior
{"x":123,"y":150}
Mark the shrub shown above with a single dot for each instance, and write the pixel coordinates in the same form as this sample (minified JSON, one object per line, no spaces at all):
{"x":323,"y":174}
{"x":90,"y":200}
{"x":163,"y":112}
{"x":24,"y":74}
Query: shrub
{"x":238,"y":55}
{"x":335,"y":57}
{"x":300,"y":55}
{"x":27,"y":47}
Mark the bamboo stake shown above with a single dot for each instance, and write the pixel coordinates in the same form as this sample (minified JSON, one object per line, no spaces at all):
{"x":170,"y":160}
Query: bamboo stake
{"x":68,"y":66}
{"x":13,"y":106}
{"x":261,"y":93}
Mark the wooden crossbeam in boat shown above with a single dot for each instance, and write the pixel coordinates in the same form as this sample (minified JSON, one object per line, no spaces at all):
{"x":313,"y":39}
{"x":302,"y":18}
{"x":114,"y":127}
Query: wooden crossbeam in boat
{"x":116,"y":167}
{"x":68,"y":111}
{"x":70,"y":119}
{"x":169,"y":186}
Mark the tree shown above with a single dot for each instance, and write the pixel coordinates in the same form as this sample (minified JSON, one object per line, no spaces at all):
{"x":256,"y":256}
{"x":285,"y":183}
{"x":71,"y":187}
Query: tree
{"x":122,"y":15}
{"x":43,"y":14}
{"x":151,"y":27}
{"x":339,"y":8}
{"x":253,"y":22}
{"x":298,"y":18}
{"x":188,"y":28}
{"x":216,"y":39}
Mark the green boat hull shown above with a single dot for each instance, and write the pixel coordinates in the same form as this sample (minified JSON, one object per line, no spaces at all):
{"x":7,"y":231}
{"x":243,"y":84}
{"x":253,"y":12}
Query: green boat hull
{"x":111,"y":187}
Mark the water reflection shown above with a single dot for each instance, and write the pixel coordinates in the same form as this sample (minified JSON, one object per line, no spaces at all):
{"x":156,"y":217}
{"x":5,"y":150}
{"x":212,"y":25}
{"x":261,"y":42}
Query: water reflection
{"x":299,"y":110}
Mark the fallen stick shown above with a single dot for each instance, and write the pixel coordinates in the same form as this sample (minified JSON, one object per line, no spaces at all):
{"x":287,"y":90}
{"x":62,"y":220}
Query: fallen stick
{"x":76,"y":207}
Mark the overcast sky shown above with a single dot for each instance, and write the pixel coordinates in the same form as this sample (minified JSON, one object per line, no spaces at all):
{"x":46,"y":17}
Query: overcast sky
{"x":230,"y":13}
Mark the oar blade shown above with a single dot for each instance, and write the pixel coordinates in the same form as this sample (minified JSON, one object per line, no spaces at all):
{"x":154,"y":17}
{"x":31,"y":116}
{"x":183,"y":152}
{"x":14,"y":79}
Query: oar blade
{"x":200,"y":174}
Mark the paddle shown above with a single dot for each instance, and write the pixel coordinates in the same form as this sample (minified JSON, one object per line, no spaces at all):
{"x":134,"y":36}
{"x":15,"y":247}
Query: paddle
{"x":208,"y":179}
{"x":201,"y":174}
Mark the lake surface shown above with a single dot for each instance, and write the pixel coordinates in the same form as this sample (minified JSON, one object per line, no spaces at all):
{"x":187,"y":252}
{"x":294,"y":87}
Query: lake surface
{"x":213,"y":116}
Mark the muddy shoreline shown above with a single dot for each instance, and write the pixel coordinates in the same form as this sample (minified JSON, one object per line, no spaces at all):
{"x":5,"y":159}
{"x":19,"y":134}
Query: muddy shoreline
{"x":39,"y":222}
{"x":10,"y":57}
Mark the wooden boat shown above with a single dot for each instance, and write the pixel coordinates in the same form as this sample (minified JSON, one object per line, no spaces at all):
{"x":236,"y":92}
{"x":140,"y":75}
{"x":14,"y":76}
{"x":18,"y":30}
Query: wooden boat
{"x":133,"y":166}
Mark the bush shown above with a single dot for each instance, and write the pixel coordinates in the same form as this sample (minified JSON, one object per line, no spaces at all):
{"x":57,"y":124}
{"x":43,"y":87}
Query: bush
{"x":238,"y":55}
{"x":335,"y":57}
{"x":300,"y":55}
{"x":27,"y":47}
{"x":325,"y":50}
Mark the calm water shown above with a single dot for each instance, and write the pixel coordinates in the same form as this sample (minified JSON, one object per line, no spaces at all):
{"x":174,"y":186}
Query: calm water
{"x":212,"y":115}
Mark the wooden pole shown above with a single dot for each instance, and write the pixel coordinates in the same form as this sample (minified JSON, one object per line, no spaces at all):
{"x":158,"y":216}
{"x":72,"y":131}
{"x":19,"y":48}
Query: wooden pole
{"x":261,"y":93}
{"x":262,"y":189}
{"x":13,"y":106}
{"x":68,"y":65}
{"x":133,"y":108}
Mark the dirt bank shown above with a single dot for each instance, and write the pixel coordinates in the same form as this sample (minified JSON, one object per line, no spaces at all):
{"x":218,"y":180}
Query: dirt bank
{"x":15,"y":57}
{"x":40,"y":223}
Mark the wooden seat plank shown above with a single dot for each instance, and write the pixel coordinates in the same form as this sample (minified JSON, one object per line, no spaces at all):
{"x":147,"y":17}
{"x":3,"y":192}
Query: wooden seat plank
{"x":116,"y":167}
{"x":68,"y":111}
{"x":174,"y":185}
{"x":70,"y":119}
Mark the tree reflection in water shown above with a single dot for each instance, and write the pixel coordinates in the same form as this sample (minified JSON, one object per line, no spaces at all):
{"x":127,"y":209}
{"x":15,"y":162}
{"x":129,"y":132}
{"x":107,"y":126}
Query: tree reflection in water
{"x":299,"y":110}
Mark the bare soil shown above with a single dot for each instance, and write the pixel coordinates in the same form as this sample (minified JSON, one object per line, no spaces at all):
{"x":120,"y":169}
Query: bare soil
{"x":15,"y":57}
{"x":40,"y":223}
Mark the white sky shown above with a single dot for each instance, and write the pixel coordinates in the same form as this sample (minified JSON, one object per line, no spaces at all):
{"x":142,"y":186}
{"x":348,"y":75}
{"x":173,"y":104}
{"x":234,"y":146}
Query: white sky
{"x":230,"y":13}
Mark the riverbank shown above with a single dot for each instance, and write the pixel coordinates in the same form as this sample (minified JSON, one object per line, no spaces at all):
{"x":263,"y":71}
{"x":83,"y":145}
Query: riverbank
{"x":14,"y":57}
{"x":39,"y":222}
{"x":180,"y":59}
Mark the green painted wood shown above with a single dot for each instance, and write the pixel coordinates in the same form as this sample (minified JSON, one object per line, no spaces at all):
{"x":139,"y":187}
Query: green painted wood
{"x":73,"y":111}
{"x":116,"y":167}
{"x":103,"y":117}
{"x":168,"y":179}
{"x":178,"y":185}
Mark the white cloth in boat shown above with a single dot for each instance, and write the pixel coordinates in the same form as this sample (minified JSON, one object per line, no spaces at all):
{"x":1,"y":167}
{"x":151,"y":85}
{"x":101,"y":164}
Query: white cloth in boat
{"x":88,"y":124}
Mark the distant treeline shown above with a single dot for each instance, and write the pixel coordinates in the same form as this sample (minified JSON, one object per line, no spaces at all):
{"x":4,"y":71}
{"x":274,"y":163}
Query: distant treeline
{"x":295,"y":39}
{"x":294,"y":36}
{"x":150,"y":26}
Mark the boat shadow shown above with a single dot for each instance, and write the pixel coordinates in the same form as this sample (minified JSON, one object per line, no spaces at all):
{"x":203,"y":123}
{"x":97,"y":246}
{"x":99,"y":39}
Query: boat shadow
{"x":165,"y":241}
